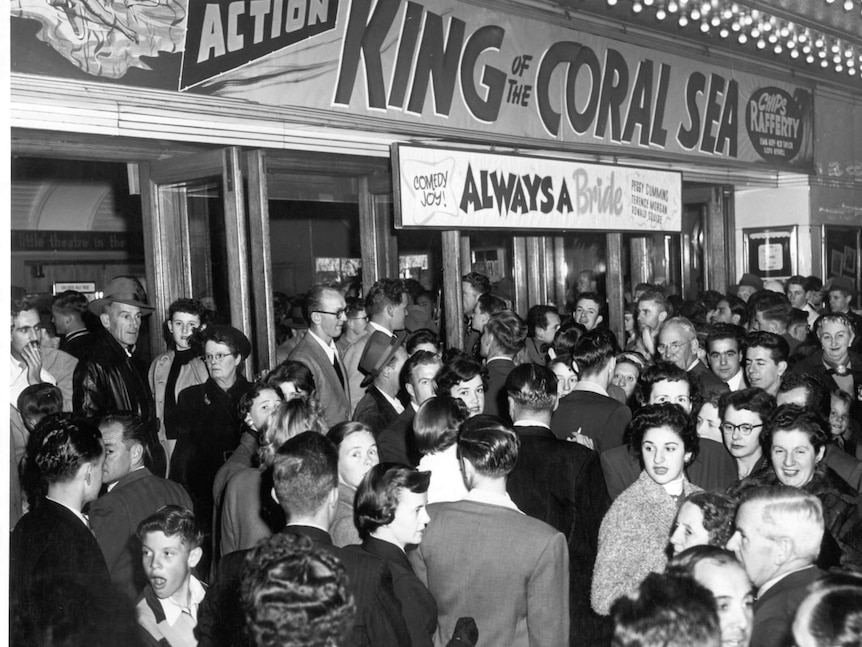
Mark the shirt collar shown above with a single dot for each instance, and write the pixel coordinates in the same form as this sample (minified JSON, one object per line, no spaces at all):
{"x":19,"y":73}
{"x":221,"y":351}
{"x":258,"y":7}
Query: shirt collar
{"x":327,"y":348}
{"x":505,"y":357}
{"x":775,"y":580}
{"x":377,"y":326}
{"x":114,"y":484}
{"x":396,"y":404}
{"x":737,"y":382}
{"x":77,"y":513}
{"x":593,"y":387}
{"x":527,"y":422}
{"x":484,"y":496}
{"x":173,"y":611}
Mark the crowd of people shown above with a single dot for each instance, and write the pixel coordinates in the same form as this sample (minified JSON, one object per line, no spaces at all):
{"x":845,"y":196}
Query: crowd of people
{"x":547,"y":485}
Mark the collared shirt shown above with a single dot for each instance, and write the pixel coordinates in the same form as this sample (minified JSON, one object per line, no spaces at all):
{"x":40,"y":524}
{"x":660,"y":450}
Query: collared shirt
{"x":395,"y":402}
{"x":18,"y":379}
{"x":173,"y":610}
{"x":491,"y":359}
{"x":328,"y":348}
{"x":775,"y":580}
{"x":77,"y":513}
{"x":737,"y":382}
{"x":491,"y":498}
{"x":593,"y":387}
{"x":114,"y":484}
{"x":527,"y":422}
{"x":308,"y":524}
{"x":381,"y":328}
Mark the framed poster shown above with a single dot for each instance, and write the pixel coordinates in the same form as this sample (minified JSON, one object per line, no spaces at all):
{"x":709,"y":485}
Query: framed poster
{"x":770,"y":253}
{"x":842,"y":247}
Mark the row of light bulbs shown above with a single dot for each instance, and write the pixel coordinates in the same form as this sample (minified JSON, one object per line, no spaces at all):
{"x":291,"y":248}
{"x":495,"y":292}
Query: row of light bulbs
{"x":731,"y":20}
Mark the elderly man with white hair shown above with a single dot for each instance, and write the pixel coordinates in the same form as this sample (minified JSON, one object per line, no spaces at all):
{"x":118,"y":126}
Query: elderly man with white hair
{"x":778,"y":534}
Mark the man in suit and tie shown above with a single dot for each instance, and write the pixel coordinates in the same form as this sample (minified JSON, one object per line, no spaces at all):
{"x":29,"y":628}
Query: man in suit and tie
{"x":778,"y":534}
{"x":305,"y":478}
{"x":325,"y":311}
{"x":396,"y":443}
{"x":588,"y":409}
{"x":482,"y":557}
{"x":134,"y":493}
{"x":386,"y":307}
{"x":562,"y":484}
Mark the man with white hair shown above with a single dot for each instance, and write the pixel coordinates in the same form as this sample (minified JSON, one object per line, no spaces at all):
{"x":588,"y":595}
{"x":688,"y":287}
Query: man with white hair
{"x":778,"y":534}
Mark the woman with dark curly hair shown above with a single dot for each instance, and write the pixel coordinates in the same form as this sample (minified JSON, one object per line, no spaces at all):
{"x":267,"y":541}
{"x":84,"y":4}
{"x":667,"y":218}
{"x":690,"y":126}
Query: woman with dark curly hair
{"x":465,"y":379}
{"x":633,"y":535}
{"x":704,"y":518}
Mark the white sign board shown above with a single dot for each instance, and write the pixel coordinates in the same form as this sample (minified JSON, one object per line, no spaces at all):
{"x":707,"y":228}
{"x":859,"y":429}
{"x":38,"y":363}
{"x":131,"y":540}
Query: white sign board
{"x":457,"y":189}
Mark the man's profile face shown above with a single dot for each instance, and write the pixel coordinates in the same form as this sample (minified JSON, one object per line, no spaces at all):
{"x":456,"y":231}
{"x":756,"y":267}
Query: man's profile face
{"x":25,"y":330}
{"x":546,"y":335}
{"x":650,"y":315}
{"x":469,"y":296}
{"x":723,"y":314}
{"x":118,"y":458}
{"x":757,"y":551}
{"x":332,"y":324}
{"x":123,"y":321}
{"x":762,"y":370}
{"x":839,"y":301}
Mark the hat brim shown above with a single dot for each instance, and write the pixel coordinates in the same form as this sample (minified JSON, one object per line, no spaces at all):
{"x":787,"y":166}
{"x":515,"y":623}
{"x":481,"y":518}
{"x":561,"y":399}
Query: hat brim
{"x":97,"y":305}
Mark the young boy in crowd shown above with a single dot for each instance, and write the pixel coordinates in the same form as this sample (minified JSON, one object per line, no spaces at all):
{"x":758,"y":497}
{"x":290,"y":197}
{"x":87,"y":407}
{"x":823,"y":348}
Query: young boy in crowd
{"x":171,"y":545}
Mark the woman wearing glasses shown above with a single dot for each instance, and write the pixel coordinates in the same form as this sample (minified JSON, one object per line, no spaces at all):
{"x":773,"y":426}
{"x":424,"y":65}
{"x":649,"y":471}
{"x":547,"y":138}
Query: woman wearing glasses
{"x":207,"y":420}
{"x":743,"y":414}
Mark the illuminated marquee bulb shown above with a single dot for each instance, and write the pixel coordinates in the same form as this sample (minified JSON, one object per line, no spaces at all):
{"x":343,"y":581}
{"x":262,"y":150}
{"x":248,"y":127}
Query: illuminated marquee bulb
{"x":704,"y":26}
{"x":794,"y":53}
{"x":848,"y":5}
{"x":724,"y":32}
{"x":742,"y":39}
{"x":777,"y":49}
{"x":637,"y":7}
{"x":648,"y":3}
{"x":683,"y":20}
{"x":672,"y":7}
{"x":761,"y":44}
{"x":695,"y":14}
{"x":809,"y":59}
{"x":660,"y":14}
{"x":715,"y":21}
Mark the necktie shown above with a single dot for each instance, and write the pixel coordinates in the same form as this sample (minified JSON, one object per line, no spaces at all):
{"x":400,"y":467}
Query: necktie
{"x":337,"y":368}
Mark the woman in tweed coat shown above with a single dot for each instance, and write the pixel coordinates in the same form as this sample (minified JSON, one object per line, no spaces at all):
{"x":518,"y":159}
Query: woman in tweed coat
{"x":633,"y":538}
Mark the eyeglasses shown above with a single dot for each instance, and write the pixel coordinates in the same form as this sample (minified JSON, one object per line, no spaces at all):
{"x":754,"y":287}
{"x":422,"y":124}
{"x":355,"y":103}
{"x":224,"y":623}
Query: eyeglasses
{"x":674,"y":347}
{"x":745,"y":428}
{"x":338,"y":314}
{"x":216,"y":357}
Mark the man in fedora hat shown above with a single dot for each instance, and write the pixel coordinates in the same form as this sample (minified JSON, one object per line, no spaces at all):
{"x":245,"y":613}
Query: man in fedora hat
{"x":110,"y":378}
{"x":381,"y":362}
{"x":842,"y":293}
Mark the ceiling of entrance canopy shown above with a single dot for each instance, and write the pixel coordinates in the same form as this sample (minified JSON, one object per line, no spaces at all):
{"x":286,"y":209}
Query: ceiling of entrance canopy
{"x":819,"y":37}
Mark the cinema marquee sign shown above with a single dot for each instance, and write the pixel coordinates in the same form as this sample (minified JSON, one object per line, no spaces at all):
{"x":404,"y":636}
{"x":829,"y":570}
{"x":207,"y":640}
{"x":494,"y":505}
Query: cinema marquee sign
{"x":458,"y":67}
{"x":457,"y":189}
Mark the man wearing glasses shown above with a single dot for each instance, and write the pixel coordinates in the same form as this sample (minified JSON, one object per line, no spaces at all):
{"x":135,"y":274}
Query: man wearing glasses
{"x":325,"y":311}
{"x":678,"y":344}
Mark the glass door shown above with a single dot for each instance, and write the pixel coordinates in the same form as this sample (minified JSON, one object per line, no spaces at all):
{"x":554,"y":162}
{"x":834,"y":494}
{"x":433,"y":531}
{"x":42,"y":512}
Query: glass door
{"x":207,"y":240}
